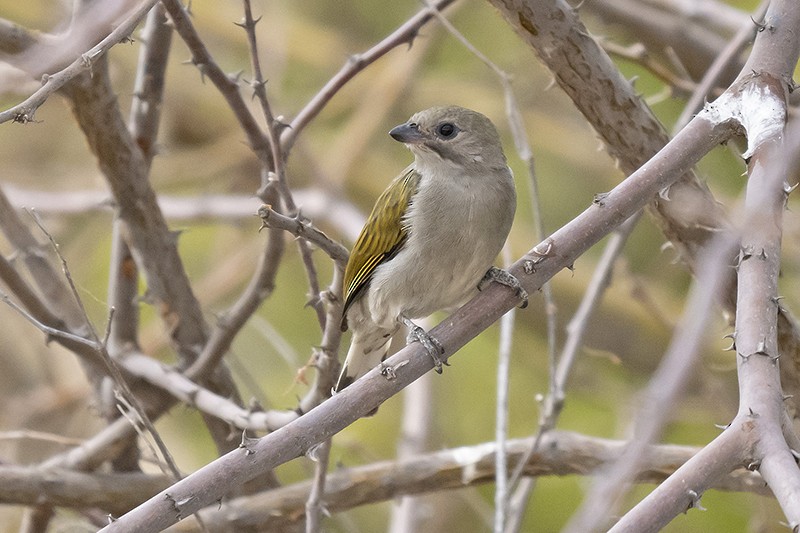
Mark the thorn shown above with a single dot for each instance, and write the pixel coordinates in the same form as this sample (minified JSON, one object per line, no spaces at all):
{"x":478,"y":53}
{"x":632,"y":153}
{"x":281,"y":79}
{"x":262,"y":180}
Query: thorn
{"x":730,"y":348}
{"x":752,"y":414}
{"x":664,"y":194}
{"x":313,"y":452}
{"x":762,"y":254}
{"x":280,"y":123}
{"x":787,"y":397}
{"x":235,"y":77}
{"x":599,"y":199}
{"x":722,"y":426}
{"x":191,"y":397}
{"x":312,"y":301}
{"x":761,"y":347}
{"x":745,"y":253}
{"x":390,"y":372}
{"x":694,"y":502}
{"x":246,"y":442}
{"x":789,"y":189}
{"x":528,"y":266}
{"x":755,"y":465}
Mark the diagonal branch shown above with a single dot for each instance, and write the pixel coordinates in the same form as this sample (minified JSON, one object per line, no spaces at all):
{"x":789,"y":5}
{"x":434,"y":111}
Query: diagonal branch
{"x":25,"y":111}
{"x":295,"y":439}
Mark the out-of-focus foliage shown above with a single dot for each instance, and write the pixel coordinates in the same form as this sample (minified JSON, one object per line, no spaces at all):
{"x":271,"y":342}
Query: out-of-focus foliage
{"x":347,"y":153}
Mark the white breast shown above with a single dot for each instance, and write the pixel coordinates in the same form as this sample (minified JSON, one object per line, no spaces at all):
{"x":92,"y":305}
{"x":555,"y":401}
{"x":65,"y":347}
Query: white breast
{"x":456,"y":229}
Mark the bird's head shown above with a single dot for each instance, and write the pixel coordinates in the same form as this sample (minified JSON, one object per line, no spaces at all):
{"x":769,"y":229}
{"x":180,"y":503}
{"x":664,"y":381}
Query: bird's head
{"x":454,"y":135}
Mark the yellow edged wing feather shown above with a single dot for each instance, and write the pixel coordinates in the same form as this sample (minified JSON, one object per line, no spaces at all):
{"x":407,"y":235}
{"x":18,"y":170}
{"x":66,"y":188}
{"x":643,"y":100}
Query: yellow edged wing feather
{"x":381,"y":237}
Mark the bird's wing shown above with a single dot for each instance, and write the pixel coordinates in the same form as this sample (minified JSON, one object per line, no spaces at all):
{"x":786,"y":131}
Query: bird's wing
{"x":381,"y":237}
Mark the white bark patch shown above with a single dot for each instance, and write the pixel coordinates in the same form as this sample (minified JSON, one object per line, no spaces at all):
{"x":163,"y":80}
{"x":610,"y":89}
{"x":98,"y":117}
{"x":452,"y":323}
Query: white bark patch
{"x":468,"y":457}
{"x":761,"y":113}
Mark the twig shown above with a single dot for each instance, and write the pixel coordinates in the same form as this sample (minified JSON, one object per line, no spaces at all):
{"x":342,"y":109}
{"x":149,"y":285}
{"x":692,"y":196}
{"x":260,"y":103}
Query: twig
{"x":182,"y":388}
{"x":52,"y":332}
{"x":27,"y":296}
{"x":277,"y":174}
{"x":662,"y":391}
{"x":230,"y":323}
{"x":148,"y":92}
{"x":61,"y":308}
{"x":576,"y":330}
{"x":226,"y":85}
{"x":406,"y":33}
{"x":124,"y":390}
{"x":315,"y":506}
{"x":501,"y":425}
{"x":756,"y":435}
{"x":715,"y":14}
{"x":409,"y":512}
{"x":689,"y":44}
{"x":316,"y":204}
{"x":638,"y":53}
{"x":25,"y":434}
{"x":563,"y":453}
{"x":720,"y":66}
{"x":303,"y":229}
{"x":25,"y":111}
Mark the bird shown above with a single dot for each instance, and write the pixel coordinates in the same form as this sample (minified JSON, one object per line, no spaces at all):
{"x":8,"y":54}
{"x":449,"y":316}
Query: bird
{"x":432,"y":236}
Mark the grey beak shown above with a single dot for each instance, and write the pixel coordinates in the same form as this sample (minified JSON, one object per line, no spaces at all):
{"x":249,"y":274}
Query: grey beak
{"x":406,"y":133}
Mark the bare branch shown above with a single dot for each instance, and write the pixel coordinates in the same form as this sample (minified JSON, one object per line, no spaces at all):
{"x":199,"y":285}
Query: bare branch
{"x":404,"y":34}
{"x":315,"y":204}
{"x":316,"y":507}
{"x":541,"y":263}
{"x":25,"y":111}
{"x":662,"y":391}
{"x":720,"y":65}
{"x":227,"y":85}
{"x":695,"y":39}
{"x":562,"y":453}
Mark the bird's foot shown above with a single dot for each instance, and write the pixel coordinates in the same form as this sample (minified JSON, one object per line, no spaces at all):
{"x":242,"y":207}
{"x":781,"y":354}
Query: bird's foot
{"x":429,"y":342}
{"x":503,"y":277}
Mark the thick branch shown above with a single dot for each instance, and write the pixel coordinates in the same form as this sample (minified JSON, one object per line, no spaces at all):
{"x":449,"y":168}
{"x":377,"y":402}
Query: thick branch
{"x":687,"y":213}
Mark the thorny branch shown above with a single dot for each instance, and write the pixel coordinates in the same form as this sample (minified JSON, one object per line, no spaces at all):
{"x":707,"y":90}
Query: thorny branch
{"x":689,"y":215}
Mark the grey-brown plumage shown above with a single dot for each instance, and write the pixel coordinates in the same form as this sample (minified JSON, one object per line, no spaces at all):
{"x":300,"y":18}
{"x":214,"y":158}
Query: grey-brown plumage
{"x":431,"y":236}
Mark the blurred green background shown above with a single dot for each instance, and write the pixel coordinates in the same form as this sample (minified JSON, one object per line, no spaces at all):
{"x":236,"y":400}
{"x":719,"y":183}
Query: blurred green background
{"x":347,"y":153}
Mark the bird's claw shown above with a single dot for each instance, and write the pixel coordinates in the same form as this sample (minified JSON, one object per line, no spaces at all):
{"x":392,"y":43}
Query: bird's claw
{"x":433,"y":347}
{"x":503,"y":277}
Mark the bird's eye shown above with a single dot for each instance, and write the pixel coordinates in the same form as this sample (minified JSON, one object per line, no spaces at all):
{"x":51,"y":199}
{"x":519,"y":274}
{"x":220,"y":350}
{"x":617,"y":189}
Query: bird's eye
{"x":446,"y":130}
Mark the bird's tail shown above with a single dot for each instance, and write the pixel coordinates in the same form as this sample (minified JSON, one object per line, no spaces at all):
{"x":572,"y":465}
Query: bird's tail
{"x":367,"y":350}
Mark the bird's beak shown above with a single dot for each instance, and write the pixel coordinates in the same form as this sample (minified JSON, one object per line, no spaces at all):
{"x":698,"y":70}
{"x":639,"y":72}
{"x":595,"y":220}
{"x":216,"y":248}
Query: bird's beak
{"x":407,"y":133}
